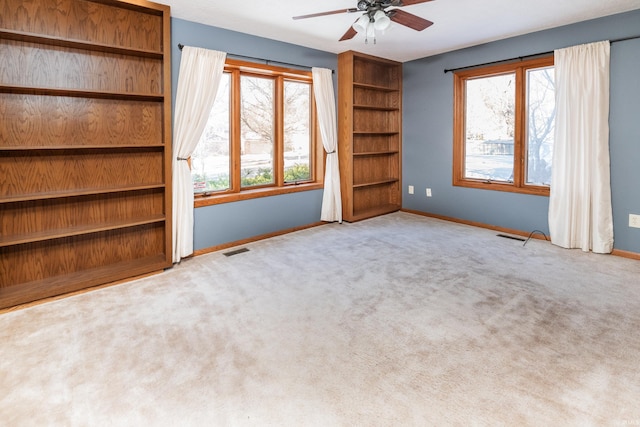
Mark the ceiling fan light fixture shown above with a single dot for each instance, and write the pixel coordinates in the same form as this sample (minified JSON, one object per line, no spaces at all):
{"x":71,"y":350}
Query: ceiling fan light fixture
{"x":361,"y":24}
{"x":375,"y":17}
{"x":382,"y":21}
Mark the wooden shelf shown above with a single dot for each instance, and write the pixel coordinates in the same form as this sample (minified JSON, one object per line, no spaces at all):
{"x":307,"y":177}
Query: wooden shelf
{"x":65,"y":283}
{"x":76,"y":231}
{"x":76,"y":44}
{"x":374,"y":183}
{"x":75,"y":193}
{"x":364,"y":132}
{"x":375,"y":87}
{"x":379,"y":210}
{"x":376,"y":153}
{"x":375,"y":108}
{"x":81,"y":93}
{"x":82,"y":147}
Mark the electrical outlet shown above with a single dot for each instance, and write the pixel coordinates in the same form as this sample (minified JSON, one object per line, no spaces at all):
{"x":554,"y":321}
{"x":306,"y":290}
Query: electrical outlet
{"x":634,"y":221}
{"x":428,"y":192}
{"x":411,"y":189}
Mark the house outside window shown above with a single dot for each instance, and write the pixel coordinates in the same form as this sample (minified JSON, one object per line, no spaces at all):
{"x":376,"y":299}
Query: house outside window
{"x":504,"y":117}
{"x":260,"y":139}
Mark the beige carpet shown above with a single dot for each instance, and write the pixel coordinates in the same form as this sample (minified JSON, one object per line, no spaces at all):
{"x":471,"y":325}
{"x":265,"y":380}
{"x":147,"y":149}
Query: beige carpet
{"x":395,"y":321}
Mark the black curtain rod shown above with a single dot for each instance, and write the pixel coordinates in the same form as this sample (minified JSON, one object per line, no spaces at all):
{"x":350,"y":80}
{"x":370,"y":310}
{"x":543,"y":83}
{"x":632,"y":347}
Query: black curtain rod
{"x":266,"y":61}
{"x":520,"y":58}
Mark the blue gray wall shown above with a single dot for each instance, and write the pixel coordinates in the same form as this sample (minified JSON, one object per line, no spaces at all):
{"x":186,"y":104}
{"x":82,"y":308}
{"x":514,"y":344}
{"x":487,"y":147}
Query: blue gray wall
{"x":229,"y":222}
{"x":428,"y":130}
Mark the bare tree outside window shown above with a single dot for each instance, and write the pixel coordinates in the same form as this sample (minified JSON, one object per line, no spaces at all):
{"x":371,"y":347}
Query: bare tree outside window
{"x":541,"y":114}
{"x":297,"y":132}
{"x":258,"y":133}
{"x":490,"y":127}
{"x":257,"y":128}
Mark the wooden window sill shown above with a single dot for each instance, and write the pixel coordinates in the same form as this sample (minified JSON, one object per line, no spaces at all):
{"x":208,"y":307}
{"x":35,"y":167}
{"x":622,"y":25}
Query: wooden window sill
{"x":499,"y":186}
{"x":220,"y":198}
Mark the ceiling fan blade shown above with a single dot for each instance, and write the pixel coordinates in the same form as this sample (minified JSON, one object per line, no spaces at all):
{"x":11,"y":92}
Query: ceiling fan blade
{"x":401,"y":3}
{"x":349,"y":34}
{"x":332,"y":12}
{"x":409,"y":20}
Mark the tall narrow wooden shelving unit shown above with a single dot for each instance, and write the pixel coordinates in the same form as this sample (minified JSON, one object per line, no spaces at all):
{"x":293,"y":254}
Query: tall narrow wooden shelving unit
{"x":370,"y":134}
{"x":85,"y":144}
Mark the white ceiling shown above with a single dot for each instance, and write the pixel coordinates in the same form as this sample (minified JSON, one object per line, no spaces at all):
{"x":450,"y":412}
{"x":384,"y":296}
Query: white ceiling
{"x":457,"y":23}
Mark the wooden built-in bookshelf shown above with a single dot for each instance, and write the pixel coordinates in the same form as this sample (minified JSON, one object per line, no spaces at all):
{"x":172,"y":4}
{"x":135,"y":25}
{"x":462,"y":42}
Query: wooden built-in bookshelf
{"x":370,"y":134}
{"x":85,"y":144}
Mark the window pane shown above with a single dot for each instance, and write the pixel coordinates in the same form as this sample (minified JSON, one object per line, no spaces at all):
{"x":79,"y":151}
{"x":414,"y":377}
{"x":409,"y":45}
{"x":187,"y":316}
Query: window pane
{"x":490,"y":127}
{"x":297,"y":131}
{"x":256,"y":131}
{"x":210,"y":162}
{"x":540,"y":124}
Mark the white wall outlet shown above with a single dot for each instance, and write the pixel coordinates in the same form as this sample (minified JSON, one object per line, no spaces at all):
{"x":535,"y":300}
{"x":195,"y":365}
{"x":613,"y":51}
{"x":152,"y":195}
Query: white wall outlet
{"x":411,"y":189}
{"x":428,"y":192}
{"x":634,"y":221}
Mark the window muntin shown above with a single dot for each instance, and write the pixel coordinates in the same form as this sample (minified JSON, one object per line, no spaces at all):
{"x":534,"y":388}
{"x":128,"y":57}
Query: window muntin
{"x":271,"y":135}
{"x":503,"y":126}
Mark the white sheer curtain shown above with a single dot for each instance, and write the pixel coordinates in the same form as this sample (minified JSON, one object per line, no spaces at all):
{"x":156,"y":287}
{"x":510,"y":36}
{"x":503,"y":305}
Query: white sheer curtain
{"x":580,"y":213}
{"x":200,"y":74}
{"x":326,"y":106}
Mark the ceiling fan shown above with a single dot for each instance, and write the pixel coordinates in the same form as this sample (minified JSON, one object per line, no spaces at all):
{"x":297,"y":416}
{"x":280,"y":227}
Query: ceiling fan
{"x":376,"y":17}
